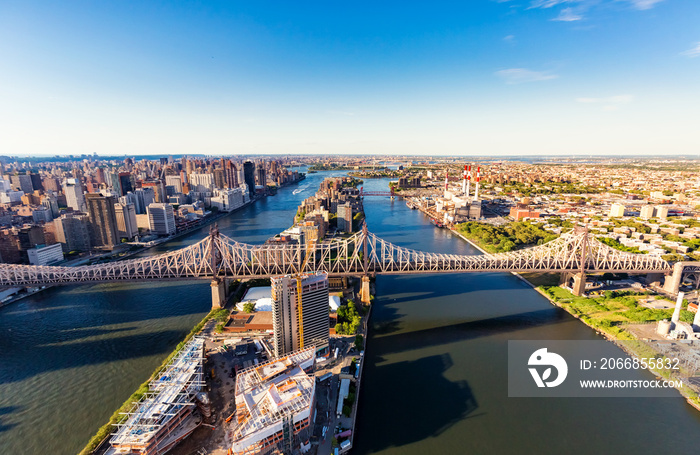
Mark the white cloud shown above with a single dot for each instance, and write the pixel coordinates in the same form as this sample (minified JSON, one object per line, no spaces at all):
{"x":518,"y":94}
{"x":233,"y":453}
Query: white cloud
{"x":693,"y":52}
{"x":568,"y":15}
{"x":548,"y":3}
{"x":509,"y":39}
{"x":521,"y":75}
{"x":578,"y":8}
{"x":611,"y":103}
{"x":644,"y":4}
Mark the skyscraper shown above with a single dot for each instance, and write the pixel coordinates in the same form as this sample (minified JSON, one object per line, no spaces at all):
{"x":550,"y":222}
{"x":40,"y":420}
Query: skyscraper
{"x":125,"y":183}
{"x":126,"y":220}
{"x":230,"y":174}
{"x":75,"y":199}
{"x":249,"y":176}
{"x":103,"y":221}
{"x":288,"y":332}
{"x":161,"y":219}
{"x":73,"y":231}
{"x":344,"y":219}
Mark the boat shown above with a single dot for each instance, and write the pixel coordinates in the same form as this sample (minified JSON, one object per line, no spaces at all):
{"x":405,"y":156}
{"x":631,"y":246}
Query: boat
{"x":437,"y":223}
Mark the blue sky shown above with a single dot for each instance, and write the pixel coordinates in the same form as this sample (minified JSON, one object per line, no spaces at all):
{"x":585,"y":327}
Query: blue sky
{"x":483,"y":77}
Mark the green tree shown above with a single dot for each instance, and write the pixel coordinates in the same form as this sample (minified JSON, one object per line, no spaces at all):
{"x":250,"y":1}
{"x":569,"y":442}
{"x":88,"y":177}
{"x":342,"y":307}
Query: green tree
{"x":249,"y":307}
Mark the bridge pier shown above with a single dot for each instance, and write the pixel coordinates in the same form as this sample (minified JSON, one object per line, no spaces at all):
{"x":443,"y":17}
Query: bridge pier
{"x":218,"y":293}
{"x":654,"y":279}
{"x":579,"y":286}
{"x":672,"y":283}
{"x":364,"y":290}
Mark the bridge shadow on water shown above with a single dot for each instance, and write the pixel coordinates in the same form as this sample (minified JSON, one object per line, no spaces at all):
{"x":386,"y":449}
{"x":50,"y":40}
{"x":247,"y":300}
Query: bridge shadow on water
{"x":5,"y":410}
{"x":71,"y":327}
{"x":435,"y":403}
{"x":453,"y":333}
{"x":74,"y":354}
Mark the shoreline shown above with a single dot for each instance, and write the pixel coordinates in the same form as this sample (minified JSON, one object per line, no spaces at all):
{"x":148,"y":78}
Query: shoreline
{"x":608,"y":337}
{"x":156,"y":243}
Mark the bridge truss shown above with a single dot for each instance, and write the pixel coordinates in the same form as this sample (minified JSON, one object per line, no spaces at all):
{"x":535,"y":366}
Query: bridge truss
{"x":363,"y":253}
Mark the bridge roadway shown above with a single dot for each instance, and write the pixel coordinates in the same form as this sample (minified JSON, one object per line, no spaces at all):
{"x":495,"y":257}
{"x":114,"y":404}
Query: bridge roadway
{"x":362,"y":254}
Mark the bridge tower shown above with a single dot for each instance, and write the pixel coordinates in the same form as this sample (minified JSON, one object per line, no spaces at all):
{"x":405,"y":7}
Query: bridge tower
{"x":218,"y":285}
{"x":672,"y":283}
{"x":579,"y":286}
{"x":364,"y":289}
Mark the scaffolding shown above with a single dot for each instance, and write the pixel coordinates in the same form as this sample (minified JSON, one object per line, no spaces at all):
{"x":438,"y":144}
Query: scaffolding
{"x":274,"y":402}
{"x":163,"y":415}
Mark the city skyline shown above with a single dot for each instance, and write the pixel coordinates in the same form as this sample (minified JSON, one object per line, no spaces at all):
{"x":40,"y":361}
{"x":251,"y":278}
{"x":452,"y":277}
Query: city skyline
{"x":497,"y":78}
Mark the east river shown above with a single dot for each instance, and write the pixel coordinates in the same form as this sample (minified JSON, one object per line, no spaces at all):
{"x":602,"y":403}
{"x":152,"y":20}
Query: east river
{"x":435,"y":379}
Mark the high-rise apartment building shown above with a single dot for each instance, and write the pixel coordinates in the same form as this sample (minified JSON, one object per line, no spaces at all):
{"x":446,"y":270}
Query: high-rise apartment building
{"x":249,"y":177}
{"x":230,"y":173}
{"x":103,"y":221}
{"x":174,"y":181}
{"x":157,"y":187}
{"x":75,"y":198}
{"x":617,"y":210}
{"x":646,"y":212}
{"x":344,"y":219}
{"x":288,"y":332}
{"x":161,"y":218}
{"x":260,"y":176}
{"x":73,"y":232}
{"x":125,"y":182}
{"x":126,"y":220}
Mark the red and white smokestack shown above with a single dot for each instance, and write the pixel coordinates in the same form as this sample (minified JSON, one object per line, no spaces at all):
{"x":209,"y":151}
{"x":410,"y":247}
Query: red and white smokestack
{"x":464,"y":180}
{"x":469,"y":179}
{"x":478,"y":178}
{"x":446,"y":176}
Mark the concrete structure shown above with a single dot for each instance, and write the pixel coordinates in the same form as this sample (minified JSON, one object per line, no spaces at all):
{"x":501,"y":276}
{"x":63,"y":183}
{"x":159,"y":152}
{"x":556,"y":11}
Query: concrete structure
{"x":275,"y":403}
{"x":218,"y":293}
{"x":617,"y":210}
{"x":161,"y":218}
{"x":126,"y":220}
{"x":344,"y":219}
{"x":365,"y":291}
{"x":103,"y":221}
{"x":227,"y":200}
{"x":289,"y":334}
{"x":45,"y":255}
{"x":73,"y":232}
{"x":175,"y":181}
{"x":249,"y":177}
{"x":661,"y":212}
{"x":75,"y":199}
{"x":647,"y":212}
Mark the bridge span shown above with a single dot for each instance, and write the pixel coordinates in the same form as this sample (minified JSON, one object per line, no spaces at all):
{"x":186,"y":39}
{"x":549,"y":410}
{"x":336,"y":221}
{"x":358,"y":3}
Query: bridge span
{"x":218,"y":257}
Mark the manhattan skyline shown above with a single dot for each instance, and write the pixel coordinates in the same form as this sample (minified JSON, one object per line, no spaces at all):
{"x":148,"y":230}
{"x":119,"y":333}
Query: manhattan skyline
{"x":498,"y":78}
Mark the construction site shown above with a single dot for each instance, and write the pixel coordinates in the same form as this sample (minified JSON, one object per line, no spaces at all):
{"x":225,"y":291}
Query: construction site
{"x":275,"y":404}
{"x":170,"y":411}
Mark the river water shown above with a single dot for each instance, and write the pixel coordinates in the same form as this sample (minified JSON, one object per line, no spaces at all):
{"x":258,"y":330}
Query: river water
{"x":434,"y":382}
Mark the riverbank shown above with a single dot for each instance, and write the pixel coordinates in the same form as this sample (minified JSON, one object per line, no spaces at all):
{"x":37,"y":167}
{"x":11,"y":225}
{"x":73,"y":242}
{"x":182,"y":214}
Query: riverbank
{"x":612,"y":333}
{"x":101,"y":437}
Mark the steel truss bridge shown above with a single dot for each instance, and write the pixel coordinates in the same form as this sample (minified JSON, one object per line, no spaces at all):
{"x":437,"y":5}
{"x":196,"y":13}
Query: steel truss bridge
{"x":362,"y":254}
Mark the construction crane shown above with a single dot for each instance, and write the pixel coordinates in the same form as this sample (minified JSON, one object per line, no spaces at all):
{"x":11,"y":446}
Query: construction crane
{"x":300,"y":310}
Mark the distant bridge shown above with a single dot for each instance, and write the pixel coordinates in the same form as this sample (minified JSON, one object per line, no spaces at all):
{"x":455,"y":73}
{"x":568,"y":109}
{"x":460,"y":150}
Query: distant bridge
{"x":362,"y":254}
